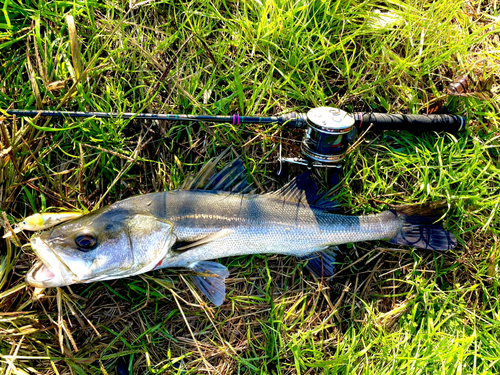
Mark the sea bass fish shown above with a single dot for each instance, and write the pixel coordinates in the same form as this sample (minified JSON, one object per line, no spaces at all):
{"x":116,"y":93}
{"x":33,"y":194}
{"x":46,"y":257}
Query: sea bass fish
{"x":189,"y":228}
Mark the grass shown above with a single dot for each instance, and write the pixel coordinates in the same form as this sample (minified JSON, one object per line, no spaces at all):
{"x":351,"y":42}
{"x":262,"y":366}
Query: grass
{"x":387,"y":311}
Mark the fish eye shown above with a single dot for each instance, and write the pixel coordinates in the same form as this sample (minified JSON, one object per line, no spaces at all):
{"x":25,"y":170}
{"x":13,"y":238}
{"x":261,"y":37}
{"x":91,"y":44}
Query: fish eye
{"x":86,"y":241}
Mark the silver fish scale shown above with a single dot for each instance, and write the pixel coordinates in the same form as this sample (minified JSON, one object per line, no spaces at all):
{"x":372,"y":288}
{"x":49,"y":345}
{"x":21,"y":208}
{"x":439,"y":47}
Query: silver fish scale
{"x":255,"y":224}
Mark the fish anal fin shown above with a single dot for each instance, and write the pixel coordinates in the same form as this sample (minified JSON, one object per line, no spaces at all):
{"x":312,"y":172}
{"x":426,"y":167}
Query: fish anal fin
{"x":211,"y":280}
{"x":209,"y":238}
{"x":322,"y":263}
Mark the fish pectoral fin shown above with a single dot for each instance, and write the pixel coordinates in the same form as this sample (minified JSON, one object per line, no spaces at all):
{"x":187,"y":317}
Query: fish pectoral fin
{"x":211,"y":280}
{"x":205,"y":240}
{"x":322,"y":263}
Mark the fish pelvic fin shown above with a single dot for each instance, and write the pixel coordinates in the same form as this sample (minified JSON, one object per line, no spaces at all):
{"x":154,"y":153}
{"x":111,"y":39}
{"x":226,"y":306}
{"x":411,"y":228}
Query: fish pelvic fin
{"x":419,"y":228}
{"x":211,"y":280}
{"x":322,"y":263}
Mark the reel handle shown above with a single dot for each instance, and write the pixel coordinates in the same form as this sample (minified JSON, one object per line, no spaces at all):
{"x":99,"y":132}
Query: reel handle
{"x":385,"y":121}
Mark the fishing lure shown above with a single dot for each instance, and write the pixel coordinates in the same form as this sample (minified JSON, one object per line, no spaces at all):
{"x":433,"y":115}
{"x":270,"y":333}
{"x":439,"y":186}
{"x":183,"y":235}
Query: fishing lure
{"x":40,"y":221}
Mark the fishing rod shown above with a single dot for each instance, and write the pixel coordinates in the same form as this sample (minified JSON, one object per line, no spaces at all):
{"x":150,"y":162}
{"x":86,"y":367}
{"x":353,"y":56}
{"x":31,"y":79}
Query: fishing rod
{"x":328,"y":131}
{"x":235,"y":119}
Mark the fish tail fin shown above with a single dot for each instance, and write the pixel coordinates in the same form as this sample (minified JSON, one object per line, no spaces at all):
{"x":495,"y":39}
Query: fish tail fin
{"x":419,"y":228}
{"x":210,"y":280}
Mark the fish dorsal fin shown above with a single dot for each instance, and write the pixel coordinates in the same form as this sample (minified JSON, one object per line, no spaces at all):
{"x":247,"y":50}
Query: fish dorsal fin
{"x":233,"y":177}
{"x":205,"y":240}
{"x":203,"y":176}
{"x":303,"y":189}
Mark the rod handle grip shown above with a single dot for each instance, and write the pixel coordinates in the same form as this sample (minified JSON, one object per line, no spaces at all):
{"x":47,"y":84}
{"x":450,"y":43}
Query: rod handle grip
{"x":385,"y":121}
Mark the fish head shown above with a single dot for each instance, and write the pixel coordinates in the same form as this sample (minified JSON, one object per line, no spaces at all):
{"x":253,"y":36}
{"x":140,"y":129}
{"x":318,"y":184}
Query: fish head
{"x":109,"y":243}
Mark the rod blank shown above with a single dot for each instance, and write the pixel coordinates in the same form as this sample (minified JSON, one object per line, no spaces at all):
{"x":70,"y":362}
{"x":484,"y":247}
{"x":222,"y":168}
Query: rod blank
{"x":234,"y":119}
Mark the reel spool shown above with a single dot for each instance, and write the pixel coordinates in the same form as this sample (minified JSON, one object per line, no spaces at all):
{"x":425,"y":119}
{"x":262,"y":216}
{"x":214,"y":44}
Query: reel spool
{"x":329,"y":132}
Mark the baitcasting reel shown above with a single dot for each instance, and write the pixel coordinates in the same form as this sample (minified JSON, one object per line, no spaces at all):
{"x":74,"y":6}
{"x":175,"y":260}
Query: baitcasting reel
{"x":329,"y":131}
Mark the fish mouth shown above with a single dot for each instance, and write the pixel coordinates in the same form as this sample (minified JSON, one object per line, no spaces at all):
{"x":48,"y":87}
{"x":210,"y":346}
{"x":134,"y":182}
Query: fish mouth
{"x":50,"y":271}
